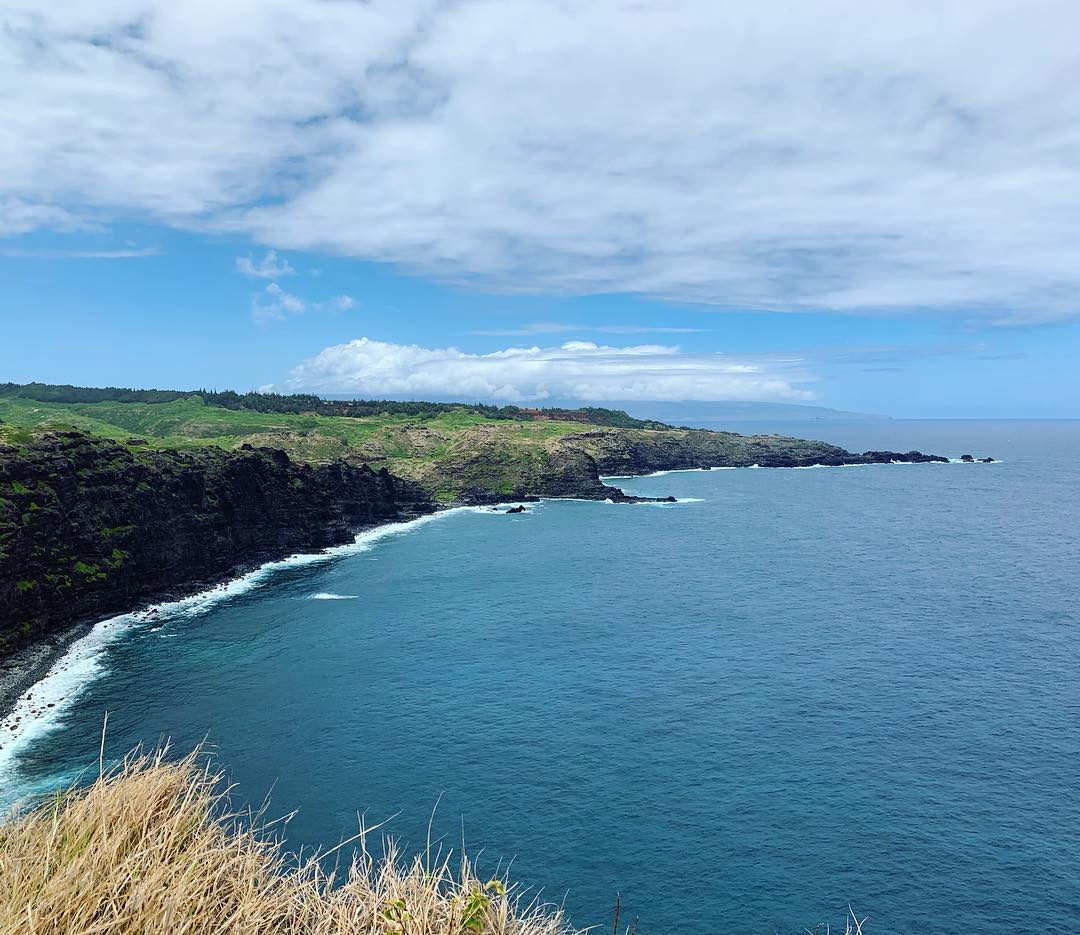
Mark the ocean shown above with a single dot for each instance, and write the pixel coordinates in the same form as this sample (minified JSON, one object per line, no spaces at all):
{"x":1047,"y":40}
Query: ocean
{"x":791,"y":692}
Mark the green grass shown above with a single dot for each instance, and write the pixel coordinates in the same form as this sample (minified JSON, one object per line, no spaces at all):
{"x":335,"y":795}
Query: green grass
{"x":449,"y":451}
{"x":188,"y":422}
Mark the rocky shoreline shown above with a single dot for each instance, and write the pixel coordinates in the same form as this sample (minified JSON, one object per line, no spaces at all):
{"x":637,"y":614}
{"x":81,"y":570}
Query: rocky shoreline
{"x":90,"y":528}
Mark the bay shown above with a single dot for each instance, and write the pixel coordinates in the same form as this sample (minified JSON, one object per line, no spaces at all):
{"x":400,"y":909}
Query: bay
{"x":792,"y":691}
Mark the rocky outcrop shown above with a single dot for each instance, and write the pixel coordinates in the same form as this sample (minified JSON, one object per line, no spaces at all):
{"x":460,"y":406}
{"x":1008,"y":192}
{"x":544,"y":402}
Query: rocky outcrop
{"x":483,"y":466}
{"x":640,"y":452}
{"x":89,"y":527}
{"x":486,"y":464}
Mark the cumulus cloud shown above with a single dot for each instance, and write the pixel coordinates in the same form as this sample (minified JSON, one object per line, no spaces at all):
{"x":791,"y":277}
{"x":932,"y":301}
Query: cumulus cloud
{"x":269,"y":267}
{"x":575,"y":370}
{"x":844,"y":155}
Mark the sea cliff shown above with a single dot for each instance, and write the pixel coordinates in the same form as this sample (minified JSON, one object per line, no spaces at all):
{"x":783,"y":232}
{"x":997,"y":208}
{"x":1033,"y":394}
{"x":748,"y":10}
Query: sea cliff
{"x":89,"y":527}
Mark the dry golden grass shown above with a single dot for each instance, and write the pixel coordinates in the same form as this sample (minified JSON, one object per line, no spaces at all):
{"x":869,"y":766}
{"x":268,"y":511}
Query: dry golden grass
{"x":151,"y":849}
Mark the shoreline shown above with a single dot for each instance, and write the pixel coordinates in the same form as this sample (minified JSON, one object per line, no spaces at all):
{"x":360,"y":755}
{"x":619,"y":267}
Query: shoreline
{"x":31,"y":665}
{"x":40,"y":681}
{"x":22,"y":676}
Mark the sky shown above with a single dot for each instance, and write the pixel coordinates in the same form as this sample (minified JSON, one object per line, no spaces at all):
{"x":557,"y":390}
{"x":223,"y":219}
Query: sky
{"x":870,"y":207}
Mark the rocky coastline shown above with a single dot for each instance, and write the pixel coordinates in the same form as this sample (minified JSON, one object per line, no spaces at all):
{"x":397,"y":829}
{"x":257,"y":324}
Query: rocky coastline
{"x":90,"y":528}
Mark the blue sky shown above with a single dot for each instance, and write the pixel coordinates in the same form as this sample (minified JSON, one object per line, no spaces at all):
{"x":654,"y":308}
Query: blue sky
{"x":873,"y":211}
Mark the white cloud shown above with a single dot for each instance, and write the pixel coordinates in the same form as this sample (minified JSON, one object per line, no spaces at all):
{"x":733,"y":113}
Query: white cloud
{"x":556,"y":327}
{"x":122,"y":253}
{"x":857,"y":156}
{"x":577,"y":370}
{"x":19,"y":216}
{"x":274,"y":304}
{"x":342,"y":303}
{"x":269,"y":267}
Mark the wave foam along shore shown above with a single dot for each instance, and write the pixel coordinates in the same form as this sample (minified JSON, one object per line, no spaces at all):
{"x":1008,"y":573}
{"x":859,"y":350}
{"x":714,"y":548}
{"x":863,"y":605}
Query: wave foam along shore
{"x":40,"y":709}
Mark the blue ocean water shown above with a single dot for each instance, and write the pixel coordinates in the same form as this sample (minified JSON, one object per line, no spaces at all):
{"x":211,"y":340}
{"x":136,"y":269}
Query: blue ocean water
{"x":794,"y":691}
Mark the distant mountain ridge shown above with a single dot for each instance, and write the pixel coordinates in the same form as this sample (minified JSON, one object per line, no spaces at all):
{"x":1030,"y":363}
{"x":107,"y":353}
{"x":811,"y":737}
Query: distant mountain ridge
{"x":726,"y":412}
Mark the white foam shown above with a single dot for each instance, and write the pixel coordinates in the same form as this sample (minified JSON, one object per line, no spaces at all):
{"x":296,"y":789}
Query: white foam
{"x":38,"y":711}
{"x":607,"y":477}
{"x":326,"y":596}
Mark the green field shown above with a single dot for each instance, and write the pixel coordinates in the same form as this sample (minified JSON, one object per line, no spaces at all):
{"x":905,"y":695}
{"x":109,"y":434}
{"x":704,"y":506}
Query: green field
{"x":408,"y":445}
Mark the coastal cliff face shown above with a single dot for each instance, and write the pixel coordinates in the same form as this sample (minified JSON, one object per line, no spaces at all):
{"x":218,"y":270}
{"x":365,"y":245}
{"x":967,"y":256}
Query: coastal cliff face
{"x":485,"y":464}
{"x":89,"y":527}
{"x":641,"y":452}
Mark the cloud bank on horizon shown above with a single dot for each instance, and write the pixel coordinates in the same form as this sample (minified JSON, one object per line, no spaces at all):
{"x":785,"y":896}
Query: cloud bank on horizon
{"x":578,"y":370}
{"x":842,"y":155}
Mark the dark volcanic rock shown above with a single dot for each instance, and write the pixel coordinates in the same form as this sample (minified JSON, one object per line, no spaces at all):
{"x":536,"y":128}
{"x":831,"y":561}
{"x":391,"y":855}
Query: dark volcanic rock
{"x":642,"y":453}
{"x":890,"y":457}
{"x":89,"y":527}
{"x":987,"y":460}
{"x":516,"y":509}
{"x":967,"y":459}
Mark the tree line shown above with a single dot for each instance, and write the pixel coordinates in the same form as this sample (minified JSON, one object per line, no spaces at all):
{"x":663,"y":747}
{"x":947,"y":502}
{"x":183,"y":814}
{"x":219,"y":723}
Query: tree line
{"x":308,"y":402}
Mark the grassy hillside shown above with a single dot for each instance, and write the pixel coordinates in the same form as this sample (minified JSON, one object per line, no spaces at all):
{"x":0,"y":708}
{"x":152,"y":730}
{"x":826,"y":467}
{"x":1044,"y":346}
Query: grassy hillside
{"x":190,"y":421}
{"x":409,"y":446}
{"x":457,"y":451}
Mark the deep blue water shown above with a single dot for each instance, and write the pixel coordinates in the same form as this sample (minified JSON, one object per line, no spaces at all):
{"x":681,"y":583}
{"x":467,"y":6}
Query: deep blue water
{"x":800,"y":690}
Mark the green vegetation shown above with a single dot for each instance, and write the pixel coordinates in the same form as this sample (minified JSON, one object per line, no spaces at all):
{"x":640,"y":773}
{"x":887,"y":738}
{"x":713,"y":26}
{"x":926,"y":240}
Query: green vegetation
{"x":111,"y":531}
{"x":306,"y":403}
{"x":449,"y":447}
{"x":456,"y":451}
{"x":91,"y":571}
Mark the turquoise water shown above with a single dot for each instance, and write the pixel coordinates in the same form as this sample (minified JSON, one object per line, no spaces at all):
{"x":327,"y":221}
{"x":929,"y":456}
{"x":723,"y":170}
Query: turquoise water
{"x":797,"y":690}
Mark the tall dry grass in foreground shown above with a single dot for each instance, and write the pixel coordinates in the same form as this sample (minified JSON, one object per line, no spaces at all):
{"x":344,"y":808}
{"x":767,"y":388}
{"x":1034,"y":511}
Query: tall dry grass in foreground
{"x":151,"y":849}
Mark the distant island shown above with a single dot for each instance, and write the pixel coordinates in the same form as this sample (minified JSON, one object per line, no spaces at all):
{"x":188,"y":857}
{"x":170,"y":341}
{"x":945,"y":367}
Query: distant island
{"x":111,"y":498}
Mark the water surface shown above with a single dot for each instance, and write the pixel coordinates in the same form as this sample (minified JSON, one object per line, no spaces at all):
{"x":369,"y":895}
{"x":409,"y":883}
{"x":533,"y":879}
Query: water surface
{"x":798,"y":689}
